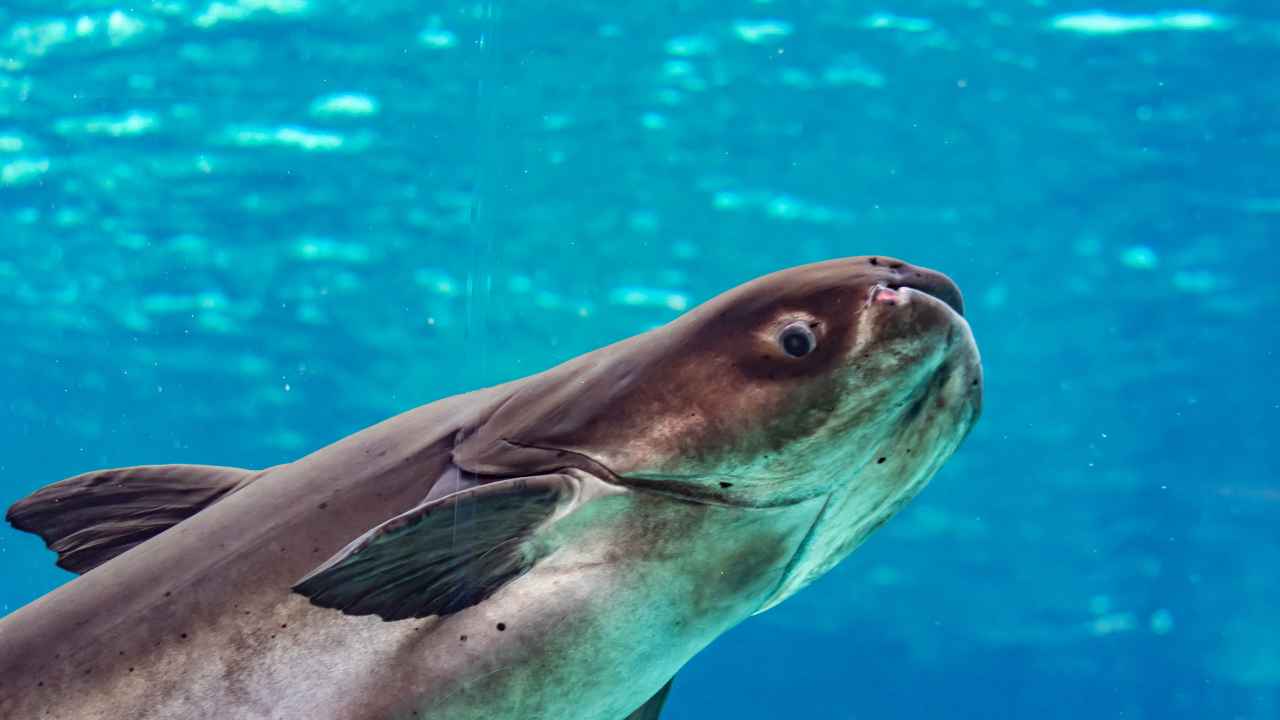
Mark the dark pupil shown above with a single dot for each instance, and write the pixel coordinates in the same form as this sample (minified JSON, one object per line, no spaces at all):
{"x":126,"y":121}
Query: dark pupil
{"x":796,"y":343}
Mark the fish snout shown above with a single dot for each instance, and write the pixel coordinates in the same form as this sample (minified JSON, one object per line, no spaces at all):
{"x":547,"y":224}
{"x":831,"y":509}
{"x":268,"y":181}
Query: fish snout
{"x":913,"y":305}
{"x":893,"y":275}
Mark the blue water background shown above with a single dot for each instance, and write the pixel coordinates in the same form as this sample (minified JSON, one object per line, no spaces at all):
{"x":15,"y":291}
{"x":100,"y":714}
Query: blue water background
{"x":232,"y":232}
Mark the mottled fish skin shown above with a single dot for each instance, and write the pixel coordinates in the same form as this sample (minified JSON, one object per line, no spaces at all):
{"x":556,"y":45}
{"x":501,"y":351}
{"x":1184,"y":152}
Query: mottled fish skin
{"x":721,"y":475}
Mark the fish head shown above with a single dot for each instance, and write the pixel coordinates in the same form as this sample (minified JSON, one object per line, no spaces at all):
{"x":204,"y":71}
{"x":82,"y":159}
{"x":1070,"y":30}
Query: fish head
{"x":846,"y":382}
{"x":802,"y":384}
{"x":844,"y":385}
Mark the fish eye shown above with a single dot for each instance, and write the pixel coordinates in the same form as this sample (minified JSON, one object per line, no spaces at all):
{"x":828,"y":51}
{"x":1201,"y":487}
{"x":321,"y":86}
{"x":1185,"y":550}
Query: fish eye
{"x":797,"y":340}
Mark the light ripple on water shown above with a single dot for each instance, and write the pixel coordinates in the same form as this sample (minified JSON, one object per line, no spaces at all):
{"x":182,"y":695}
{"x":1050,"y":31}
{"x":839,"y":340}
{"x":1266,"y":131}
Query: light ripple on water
{"x":1101,"y":22}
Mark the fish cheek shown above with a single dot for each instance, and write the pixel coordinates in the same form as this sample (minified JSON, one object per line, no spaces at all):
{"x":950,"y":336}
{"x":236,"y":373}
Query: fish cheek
{"x":790,"y":417}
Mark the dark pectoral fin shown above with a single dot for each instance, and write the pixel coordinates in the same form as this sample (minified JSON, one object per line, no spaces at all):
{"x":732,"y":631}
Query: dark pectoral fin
{"x":444,"y":555}
{"x":653,"y":708}
{"x":89,"y":519}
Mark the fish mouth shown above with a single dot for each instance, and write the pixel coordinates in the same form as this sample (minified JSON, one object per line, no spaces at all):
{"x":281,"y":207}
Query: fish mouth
{"x":930,"y":304}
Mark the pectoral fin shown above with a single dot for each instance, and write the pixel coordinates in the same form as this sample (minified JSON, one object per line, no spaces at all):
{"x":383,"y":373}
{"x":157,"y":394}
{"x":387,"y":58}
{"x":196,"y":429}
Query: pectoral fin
{"x":446,"y":554}
{"x":89,"y":519}
{"x":653,"y":707}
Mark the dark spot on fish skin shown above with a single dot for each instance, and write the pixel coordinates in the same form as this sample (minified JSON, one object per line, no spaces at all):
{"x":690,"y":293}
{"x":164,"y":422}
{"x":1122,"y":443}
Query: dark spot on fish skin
{"x":726,"y":484}
{"x":130,"y":669}
{"x":502,"y":627}
{"x":40,"y":684}
{"x":875,"y":261}
{"x":323,"y":505}
{"x":168,"y":594}
{"x":273,"y":636}
{"x":880,"y":461}
{"x":463,"y":638}
{"x":184,"y":636}
{"x":284,"y":625}
{"x":315,"y":550}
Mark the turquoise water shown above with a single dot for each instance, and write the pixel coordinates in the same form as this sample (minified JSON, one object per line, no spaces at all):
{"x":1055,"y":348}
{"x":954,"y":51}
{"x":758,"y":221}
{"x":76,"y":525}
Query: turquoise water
{"x":235,"y":231}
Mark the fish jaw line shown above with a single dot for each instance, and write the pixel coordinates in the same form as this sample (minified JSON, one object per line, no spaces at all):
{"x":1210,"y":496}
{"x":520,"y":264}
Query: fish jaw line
{"x":852,"y":513}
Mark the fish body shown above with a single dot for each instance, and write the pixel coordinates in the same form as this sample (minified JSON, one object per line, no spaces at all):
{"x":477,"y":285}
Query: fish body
{"x":554,"y":547}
